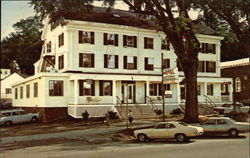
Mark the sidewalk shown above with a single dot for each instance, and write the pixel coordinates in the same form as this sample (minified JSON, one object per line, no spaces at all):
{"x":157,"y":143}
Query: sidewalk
{"x":99,"y":133}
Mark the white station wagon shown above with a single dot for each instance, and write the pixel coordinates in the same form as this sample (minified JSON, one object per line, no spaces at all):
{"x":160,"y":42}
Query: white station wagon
{"x":178,"y":130}
{"x":14,"y":116}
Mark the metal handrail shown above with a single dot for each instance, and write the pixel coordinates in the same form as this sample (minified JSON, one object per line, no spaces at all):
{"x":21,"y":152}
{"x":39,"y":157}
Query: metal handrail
{"x":123,"y":108}
{"x":209,"y":100}
{"x":151,"y":103}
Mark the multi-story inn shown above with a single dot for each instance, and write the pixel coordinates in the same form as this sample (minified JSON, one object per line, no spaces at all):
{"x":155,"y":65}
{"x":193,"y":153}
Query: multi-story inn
{"x":101,"y":59}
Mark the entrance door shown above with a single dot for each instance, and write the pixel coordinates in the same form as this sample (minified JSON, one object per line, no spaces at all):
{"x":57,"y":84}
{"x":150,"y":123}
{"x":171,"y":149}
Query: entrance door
{"x":128,"y":93}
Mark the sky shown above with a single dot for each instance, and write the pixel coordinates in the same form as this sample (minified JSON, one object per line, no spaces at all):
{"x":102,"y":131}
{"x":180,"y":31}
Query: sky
{"x":13,"y":11}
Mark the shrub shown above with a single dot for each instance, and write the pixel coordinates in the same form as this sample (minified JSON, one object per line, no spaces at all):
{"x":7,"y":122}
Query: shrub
{"x":177,"y":111}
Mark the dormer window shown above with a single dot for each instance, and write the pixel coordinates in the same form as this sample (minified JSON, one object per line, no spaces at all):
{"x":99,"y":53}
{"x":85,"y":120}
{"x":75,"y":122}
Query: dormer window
{"x":110,"y":39}
{"x":129,"y":41}
{"x":148,"y":43}
{"x":208,"y":48}
{"x":165,"y":44}
{"x":86,"y":37}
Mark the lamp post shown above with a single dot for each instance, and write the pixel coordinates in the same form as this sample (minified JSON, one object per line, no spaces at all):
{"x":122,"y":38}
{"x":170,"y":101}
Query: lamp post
{"x":162,"y":88}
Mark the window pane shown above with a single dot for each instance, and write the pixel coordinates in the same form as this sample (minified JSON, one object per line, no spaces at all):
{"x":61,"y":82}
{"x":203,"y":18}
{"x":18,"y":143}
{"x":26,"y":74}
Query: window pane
{"x":130,"y":41}
{"x":111,"y":61}
{"x":55,"y":88}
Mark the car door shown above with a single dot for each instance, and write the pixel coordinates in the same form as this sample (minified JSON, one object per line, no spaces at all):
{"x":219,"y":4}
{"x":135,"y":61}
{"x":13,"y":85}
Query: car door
{"x":24,"y":117}
{"x":15,"y":118}
{"x":209,"y":125}
{"x":160,"y":131}
{"x":222,"y":125}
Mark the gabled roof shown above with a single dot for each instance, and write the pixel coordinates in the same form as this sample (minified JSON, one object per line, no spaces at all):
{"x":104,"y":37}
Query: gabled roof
{"x":122,"y":17}
{"x":234,"y":63}
{"x":22,"y":75}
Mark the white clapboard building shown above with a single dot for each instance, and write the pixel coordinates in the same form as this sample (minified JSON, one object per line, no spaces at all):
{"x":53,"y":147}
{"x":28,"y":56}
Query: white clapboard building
{"x":107,"y":60}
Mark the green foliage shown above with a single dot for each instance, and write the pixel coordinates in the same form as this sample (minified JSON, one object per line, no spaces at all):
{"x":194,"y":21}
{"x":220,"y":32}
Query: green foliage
{"x":23,"y":46}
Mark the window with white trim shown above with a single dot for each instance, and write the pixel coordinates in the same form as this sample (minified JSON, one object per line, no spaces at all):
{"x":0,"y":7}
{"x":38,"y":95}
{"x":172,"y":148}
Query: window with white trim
{"x":237,"y":84}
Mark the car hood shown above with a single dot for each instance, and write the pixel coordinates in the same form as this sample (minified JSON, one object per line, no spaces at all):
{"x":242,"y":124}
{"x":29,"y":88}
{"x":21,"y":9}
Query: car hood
{"x":243,"y":123}
{"x":142,"y":130}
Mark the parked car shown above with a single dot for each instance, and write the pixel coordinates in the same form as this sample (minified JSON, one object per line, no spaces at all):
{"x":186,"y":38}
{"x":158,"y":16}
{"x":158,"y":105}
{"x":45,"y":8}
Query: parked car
{"x":224,"y":125}
{"x":178,"y":130}
{"x":228,"y":108}
{"x":14,"y":116}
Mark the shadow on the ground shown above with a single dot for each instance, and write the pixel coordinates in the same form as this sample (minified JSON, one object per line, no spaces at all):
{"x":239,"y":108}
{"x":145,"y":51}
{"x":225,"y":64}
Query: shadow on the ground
{"x":220,"y":137}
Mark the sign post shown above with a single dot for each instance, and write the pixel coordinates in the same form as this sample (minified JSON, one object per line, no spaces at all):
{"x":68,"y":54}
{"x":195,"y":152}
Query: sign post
{"x":162,"y":88}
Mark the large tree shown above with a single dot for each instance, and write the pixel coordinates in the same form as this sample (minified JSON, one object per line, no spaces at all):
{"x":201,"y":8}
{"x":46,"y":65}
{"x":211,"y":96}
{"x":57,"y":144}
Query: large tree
{"x":230,"y":18}
{"x":22,"y":46}
{"x":170,"y":16}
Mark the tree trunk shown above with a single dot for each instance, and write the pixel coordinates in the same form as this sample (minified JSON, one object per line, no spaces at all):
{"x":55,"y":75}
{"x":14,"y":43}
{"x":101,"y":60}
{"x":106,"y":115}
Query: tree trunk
{"x":191,"y":105}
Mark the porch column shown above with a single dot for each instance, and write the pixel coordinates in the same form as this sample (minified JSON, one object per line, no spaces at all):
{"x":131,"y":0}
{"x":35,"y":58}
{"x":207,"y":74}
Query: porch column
{"x":114,"y":91}
{"x":230,"y":89}
{"x":76,"y":91}
{"x":205,"y":90}
{"x":147,"y":88}
{"x":178,"y":92}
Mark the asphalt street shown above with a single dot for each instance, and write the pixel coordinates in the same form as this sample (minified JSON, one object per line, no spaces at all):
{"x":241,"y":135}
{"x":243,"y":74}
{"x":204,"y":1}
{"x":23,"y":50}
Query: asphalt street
{"x":208,"y":147}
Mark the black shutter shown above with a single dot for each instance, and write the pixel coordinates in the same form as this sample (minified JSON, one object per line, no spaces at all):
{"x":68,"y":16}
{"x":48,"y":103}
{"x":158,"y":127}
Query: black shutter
{"x":214,"y":49}
{"x":207,"y":63}
{"x":105,"y":61}
{"x":92,"y":35}
{"x":80,"y":60}
{"x":92,"y":60}
{"x":116,"y":39}
{"x":80,"y":36}
{"x":145,"y":63}
{"x":80,"y":87}
{"x":135,"y":41}
{"x":168,"y":63}
{"x":62,"y":61}
{"x":124,"y":40}
{"x":93,"y":89}
{"x":203,"y":48}
{"x":214,"y":67}
{"x":62,"y":39}
{"x":116,"y":61}
{"x":203,"y":66}
{"x":105,"y":37}
{"x":145,"y":42}
{"x":125,"y":62}
{"x":111,"y":88}
{"x":206,"y":48}
{"x":100,"y":88}
{"x":135,"y":62}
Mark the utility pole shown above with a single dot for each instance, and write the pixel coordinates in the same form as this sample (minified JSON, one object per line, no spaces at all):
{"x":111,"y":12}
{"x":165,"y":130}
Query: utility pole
{"x":162,"y":87}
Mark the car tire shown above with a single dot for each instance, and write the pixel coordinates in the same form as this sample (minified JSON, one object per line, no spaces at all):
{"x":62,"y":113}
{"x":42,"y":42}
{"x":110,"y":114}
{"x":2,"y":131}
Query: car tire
{"x":8,"y":123}
{"x":34,"y":119}
{"x":142,"y":137}
{"x":181,"y":137}
{"x":233,"y":132}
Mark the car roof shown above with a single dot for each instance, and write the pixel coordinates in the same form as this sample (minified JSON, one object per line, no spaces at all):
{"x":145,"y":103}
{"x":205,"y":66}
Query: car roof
{"x":213,"y":118}
{"x":12,"y":110}
{"x":167,"y":122}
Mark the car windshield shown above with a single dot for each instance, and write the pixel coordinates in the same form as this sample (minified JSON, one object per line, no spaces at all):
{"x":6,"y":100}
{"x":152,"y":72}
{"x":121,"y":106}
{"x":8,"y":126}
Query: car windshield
{"x":182,"y":123}
{"x":5,"y":114}
{"x":232,"y":120}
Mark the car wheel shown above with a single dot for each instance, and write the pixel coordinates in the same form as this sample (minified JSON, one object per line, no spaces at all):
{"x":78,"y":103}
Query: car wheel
{"x":8,"y":123}
{"x":233,"y":132}
{"x":34,"y":119}
{"x":181,"y":137}
{"x":142,"y":137}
